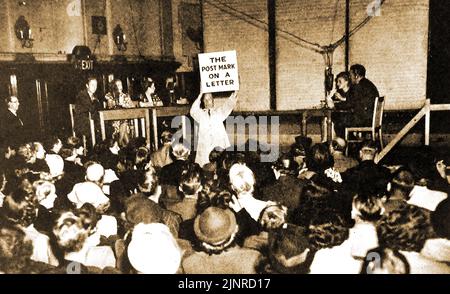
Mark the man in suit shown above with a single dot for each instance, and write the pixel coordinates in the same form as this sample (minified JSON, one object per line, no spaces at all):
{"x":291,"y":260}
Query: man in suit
{"x":86,"y":103}
{"x":363,"y":96}
{"x":12,"y":131}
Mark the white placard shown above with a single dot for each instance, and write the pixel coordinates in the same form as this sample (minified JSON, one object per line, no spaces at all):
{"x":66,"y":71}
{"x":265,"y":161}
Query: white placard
{"x":218,"y":71}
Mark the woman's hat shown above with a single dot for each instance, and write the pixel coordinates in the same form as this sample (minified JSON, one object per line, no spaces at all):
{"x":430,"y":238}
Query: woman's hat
{"x":153,"y":250}
{"x":215,"y":225}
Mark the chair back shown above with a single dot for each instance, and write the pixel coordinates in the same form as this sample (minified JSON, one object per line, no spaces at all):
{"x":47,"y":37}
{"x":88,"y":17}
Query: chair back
{"x":377,"y":115}
{"x":72,"y":119}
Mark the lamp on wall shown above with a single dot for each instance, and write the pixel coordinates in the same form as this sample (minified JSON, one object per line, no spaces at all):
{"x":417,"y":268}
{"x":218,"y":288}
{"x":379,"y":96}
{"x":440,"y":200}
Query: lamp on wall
{"x":23,"y":32}
{"x":119,"y":38}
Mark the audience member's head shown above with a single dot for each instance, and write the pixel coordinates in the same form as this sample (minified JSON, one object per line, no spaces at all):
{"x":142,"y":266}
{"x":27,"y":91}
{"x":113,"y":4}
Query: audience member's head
{"x":422,"y":167}
{"x":216,"y":154}
{"x":112,"y":145}
{"x":95,"y":173}
{"x":316,"y":201}
{"x":405,"y":228}
{"x":45,"y":192}
{"x":367,"y":208}
{"x":368,"y":150}
{"x":215,"y":229}
{"x":26,"y":153}
{"x":147,"y":181}
{"x":88,"y":215}
{"x":15,"y":249}
{"x":125,"y":161}
{"x":69,"y":232}
{"x":20,"y":205}
{"x":142,"y":158}
{"x":38,"y":150}
{"x":154,"y":250}
{"x":273,"y":217}
{"x":305,"y":142}
{"x":385,"y":261}
{"x":116,"y":86}
{"x":440,"y":219}
{"x":328,"y":234}
{"x":67,"y":153}
{"x":191,"y":180}
{"x":401,"y":184}
{"x":53,"y":144}
{"x":242,"y":179}
{"x":166,"y":137}
{"x":12,"y":103}
{"x":298,"y":154}
{"x":289,"y":251}
{"x":180,"y":151}
{"x":137,"y":142}
{"x":139,"y":209}
{"x":338,"y":145}
{"x":321,"y":158}
{"x":428,"y":168}
{"x":89,"y":192}
{"x":76,"y":144}
{"x":220,"y":199}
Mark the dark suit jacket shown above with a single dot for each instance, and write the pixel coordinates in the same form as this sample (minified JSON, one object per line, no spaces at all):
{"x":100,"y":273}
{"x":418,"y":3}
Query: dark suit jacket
{"x":171,"y":173}
{"x":359,"y":100}
{"x":367,"y":178}
{"x":83,"y":106}
{"x":364,"y":94}
{"x":12,"y":131}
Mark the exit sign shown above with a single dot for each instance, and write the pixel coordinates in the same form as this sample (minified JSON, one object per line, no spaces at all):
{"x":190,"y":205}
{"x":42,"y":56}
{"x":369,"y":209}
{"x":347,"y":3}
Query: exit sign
{"x":84,"y":64}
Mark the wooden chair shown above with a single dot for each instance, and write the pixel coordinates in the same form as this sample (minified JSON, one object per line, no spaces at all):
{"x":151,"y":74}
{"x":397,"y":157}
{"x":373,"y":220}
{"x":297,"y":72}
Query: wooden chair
{"x":375,"y":130}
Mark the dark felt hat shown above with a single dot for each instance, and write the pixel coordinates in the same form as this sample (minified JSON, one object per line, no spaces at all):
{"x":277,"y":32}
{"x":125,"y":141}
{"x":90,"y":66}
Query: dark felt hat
{"x":215,"y":225}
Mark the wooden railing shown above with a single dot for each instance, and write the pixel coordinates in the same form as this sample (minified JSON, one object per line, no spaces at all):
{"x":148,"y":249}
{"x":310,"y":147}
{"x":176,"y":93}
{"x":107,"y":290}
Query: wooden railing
{"x":425,"y":111}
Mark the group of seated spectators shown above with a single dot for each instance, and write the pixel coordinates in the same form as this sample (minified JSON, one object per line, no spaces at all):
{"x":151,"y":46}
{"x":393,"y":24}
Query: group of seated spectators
{"x":125,"y":209}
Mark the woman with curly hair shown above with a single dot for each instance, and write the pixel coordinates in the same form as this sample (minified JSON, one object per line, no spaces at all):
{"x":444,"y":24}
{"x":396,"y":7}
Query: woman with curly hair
{"x":76,"y":237}
{"x":406,"y":229}
{"x":16,"y":252}
{"x":21,"y":208}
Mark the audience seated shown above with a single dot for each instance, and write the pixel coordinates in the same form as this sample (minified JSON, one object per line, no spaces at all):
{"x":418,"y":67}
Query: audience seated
{"x":124,"y":210}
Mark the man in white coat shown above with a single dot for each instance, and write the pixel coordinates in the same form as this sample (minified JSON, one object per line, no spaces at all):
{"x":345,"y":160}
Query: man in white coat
{"x":211,"y":130}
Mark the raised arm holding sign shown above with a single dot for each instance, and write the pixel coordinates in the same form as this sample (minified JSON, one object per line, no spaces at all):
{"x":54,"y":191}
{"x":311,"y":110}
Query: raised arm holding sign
{"x":211,"y":130}
{"x":218,"y":73}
